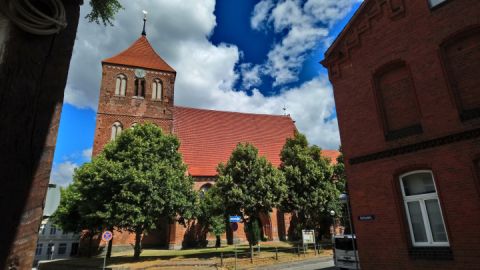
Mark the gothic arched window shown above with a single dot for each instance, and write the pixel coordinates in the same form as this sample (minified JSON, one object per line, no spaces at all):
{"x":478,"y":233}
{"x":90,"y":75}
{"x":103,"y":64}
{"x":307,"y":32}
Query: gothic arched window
{"x":204,"y":189}
{"x":157,"y":89}
{"x":116,"y":130}
{"x":120,"y":85}
{"x":140,"y":87}
{"x":461,"y":55}
{"x":397,"y":100}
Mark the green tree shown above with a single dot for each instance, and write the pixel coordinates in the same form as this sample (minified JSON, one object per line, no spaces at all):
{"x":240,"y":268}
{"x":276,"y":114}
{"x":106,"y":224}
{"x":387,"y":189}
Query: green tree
{"x":138,"y":178}
{"x":153,"y":178}
{"x":103,"y":10}
{"x":212,"y":213}
{"x":312,"y":192}
{"x":87,"y":202}
{"x":249,"y":185}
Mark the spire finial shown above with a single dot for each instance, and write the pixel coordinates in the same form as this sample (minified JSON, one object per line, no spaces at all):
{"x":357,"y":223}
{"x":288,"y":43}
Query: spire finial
{"x":144,"y":33}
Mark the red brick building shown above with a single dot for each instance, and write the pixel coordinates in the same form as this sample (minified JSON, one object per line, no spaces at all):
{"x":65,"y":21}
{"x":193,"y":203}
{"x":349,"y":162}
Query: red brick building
{"x":138,"y":86}
{"x":406,"y":79}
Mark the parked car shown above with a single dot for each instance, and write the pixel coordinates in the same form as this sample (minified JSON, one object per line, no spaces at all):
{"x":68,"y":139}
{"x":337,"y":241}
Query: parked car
{"x":345,"y":253}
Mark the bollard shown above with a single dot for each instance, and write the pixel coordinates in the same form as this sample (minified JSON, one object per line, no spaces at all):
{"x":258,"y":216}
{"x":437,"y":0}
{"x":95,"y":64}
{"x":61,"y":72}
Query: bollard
{"x":251,"y":253}
{"x":221,"y":259}
{"x":298,"y":250}
{"x":315,"y":247}
{"x":276,"y":253}
{"x":235,"y":258}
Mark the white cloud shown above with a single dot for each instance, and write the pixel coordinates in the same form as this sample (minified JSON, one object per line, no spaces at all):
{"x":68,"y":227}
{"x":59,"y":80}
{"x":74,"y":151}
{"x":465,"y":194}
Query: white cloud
{"x":207,"y":73}
{"x":306,"y":25}
{"x":62,"y":174}
{"x":260,"y":13}
{"x":87,"y":154}
{"x":251,"y":75}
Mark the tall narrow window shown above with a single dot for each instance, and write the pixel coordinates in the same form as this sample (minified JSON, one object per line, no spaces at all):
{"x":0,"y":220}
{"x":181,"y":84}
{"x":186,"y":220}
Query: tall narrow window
{"x":62,"y":248}
{"x":53,"y":230}
{"x":121,"y":85}
{"x":422,"y":207}
{"x":396,"y":94}
{"x":157,"y":89}
{"x":38,"y":250}
{"x":461,"y":55}
{"x":116,"y":130}
{"x":140,"y":87}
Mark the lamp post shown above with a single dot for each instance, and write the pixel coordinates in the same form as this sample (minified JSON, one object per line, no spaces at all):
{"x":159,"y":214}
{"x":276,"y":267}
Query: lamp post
{"x":332,"y":213}
{"x":345,"y":199}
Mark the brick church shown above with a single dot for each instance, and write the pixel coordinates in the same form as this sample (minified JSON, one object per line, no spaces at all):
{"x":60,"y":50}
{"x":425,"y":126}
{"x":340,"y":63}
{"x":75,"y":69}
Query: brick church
{"x":138,"y":86}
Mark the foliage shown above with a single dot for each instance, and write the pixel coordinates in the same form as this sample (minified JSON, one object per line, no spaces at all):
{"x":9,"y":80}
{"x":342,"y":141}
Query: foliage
{"x":153,"y":177}
{"x":249,"y":184}
{"x":339,"y":172}
{"x":312,"y":193}
{"x":211,"y":213}
{"x":252,"y":228}
{"x":103,"y":10}
{"x":138,"y":178}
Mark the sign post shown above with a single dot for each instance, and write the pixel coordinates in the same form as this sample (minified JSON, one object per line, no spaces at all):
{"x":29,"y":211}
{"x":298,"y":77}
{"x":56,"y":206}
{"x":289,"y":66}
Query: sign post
{"x":308,"y":237}
{"x":234,"y":220}
{"x":106,"y":236}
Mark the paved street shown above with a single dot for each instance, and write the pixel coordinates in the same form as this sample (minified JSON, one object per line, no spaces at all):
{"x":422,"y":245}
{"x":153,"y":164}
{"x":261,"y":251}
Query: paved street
{"x":311,"y":264}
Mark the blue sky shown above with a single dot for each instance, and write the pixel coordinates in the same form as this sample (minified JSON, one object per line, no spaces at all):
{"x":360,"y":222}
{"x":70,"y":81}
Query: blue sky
{"x":248,"y":56}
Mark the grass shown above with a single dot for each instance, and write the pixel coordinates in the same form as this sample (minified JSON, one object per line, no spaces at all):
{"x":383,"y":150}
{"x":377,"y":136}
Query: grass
{"x":201,"y":258}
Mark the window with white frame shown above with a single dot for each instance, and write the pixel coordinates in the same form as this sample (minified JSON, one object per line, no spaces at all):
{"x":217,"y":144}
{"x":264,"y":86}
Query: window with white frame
{"x":121,"y":85}
{"x":424,"y":214}
{"x":53,"y":230}
{"x":38,"y":250}
{"x":116,"y":130}
{"x":157,"y":89}
{"x":434,"y":3}
{"x":62,"y":248}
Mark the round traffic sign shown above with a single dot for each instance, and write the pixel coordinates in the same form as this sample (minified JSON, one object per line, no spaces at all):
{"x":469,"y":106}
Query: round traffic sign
{"x":107,"y":236}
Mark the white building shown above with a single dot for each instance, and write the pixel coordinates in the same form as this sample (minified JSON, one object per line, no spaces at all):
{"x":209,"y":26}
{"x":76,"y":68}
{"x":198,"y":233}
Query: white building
{"x":52,"y":242}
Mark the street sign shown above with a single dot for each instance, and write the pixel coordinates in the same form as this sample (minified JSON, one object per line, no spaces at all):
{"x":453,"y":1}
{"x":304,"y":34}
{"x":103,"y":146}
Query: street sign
{"x":234,"y":218}
{"x":366,"y":217}
{"x":308,"y":236}
{"x":107,"y":236}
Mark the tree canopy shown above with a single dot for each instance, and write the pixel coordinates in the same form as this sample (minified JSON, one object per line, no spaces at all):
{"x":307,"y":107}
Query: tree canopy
{"x":103,"y":10}
{"x":249,"y":184}
{"x":312,"y":191}
{"x":139,"y":177}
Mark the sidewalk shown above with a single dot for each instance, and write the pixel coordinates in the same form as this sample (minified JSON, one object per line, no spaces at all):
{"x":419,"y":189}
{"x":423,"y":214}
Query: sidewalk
{"x":309,"y":264}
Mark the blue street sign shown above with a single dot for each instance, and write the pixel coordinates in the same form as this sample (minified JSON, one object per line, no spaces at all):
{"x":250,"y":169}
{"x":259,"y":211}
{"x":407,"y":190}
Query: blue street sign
{"x":107,"y":236}
{"x":234,"y":218}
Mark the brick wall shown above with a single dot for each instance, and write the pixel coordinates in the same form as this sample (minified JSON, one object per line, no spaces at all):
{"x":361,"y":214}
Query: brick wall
{"x":380,"y":33}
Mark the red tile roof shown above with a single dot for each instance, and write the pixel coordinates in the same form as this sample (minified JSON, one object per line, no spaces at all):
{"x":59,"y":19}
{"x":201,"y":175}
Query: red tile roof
{"x":208,"y":137}
{"x":331,"y":154}
{"x":140,"y":54}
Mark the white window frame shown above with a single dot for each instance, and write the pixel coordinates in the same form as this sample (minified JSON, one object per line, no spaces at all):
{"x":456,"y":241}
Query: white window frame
{"x":120,"y":85}
{"x":434,"y":3}
{"x":117,"y":128}
{"x":421,"y":199}
{"x":157,"y":89}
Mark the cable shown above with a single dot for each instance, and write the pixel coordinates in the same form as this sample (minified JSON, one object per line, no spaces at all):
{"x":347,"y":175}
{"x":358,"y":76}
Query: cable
{"x":28,"y":18}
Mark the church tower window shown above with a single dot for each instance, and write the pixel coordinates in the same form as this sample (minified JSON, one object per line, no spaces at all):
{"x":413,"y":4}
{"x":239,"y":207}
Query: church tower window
{"x":116,"y":130}
{"x":157,"y":89}
{"x":140,"y":87}
{"x":121,"y":85}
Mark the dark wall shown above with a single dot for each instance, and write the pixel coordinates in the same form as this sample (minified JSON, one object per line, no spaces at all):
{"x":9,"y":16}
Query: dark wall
{"x":32,"y":81}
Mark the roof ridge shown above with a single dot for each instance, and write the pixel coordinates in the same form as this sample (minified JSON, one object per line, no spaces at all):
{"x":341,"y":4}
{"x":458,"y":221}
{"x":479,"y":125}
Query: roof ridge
{"x":234,"y":112}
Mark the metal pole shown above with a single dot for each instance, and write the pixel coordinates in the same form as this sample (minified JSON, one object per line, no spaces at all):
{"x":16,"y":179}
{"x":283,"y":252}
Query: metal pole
{"x":352,"y":232}
{"x":276,"y":253}
{"x":221,"y":259}
{"x":105,"y":259}
{"x":235,"y":256}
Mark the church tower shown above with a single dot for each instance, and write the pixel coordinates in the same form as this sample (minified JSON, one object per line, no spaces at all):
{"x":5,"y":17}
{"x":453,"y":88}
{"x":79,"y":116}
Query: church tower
{"x":137,"y":86}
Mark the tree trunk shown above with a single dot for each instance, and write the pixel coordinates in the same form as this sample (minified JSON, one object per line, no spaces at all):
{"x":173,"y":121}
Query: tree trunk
{"x":90,"y":236}
{"x":138,"y":243}
{"x":109,"y":247}
{"x":218,"y":242}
